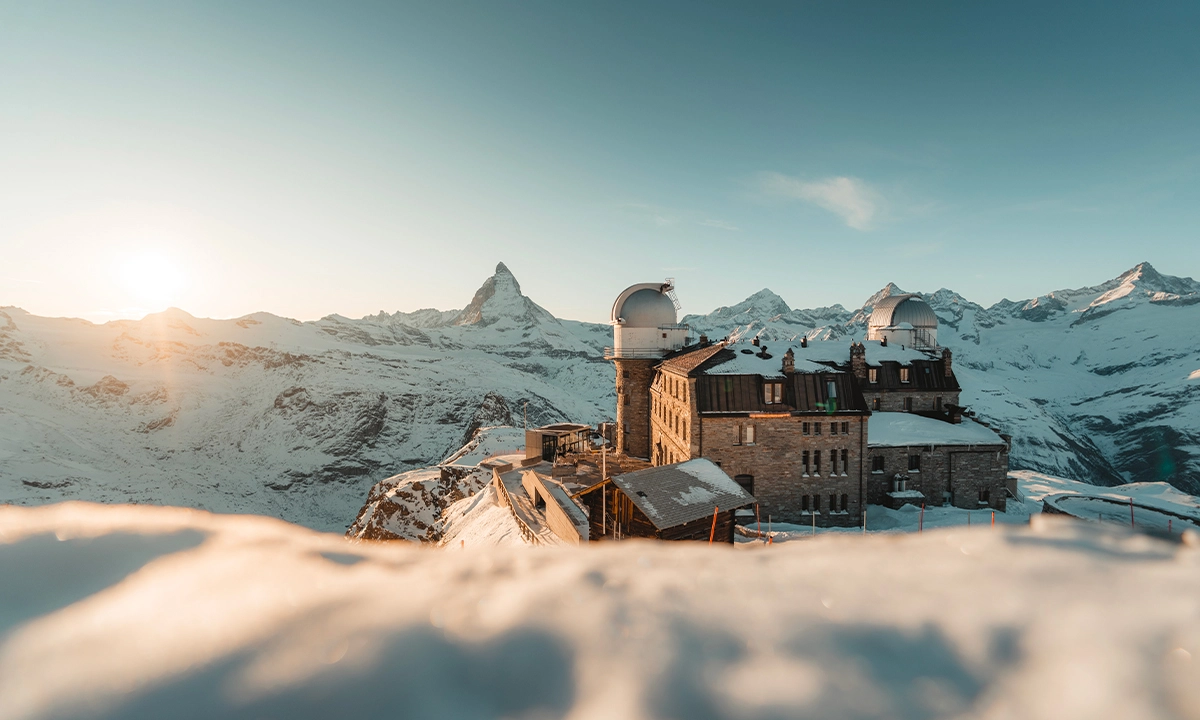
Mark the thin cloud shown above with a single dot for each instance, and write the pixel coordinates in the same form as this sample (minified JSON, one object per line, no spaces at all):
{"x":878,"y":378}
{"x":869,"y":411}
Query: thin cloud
{"x":851,"y":199}
{"x":667,"y":217}
{"x":720,"y":224}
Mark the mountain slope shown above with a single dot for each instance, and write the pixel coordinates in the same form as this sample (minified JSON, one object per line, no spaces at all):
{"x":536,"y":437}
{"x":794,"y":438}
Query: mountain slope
{"x":299,"y":419}
{"x":1097,"y":383}
{"x":268,"y":415}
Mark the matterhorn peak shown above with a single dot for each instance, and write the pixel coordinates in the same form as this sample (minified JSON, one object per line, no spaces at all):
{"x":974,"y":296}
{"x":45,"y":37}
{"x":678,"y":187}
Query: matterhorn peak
{"x":886,"y":292}
{"x":500,"y":298}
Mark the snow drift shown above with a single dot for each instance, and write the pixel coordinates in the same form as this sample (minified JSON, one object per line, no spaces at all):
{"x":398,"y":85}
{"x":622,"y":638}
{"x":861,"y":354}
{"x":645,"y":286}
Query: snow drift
{"x":121,"y":611}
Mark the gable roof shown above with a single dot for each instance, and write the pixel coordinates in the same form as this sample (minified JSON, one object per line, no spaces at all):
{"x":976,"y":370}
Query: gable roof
{"x":671,"y":495}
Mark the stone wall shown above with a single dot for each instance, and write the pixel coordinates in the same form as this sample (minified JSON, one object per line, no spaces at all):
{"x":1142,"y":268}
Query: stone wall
{"x":672,"y":418}
{"x":633,"y":406}
{"x":961,"y":472}
{"x":776,"y":462}
{"x":893,"y":400}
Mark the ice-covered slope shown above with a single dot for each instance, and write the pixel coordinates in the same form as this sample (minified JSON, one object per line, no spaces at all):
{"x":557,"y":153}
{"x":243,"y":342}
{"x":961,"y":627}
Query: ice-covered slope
{"x":122,"y":612}
{"x":1099,"y":383}
{"x":268,"y":415}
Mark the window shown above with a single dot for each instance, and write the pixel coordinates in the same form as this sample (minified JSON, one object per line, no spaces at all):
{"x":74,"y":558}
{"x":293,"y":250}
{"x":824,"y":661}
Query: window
{"x":875,"y":403}
{"x":737,"y":437}
{"x":907,"y":404}
{"x":817,"y":462}
{"x":833,"y":428}
{"x":664,"y":336}
{"x":914,"y":463}
{"x":816,"y":503}
{"x":845,"y":462}
{"x":805,"y":428}
{"x":805,"y":464}
{"x":845,"y":428}
{"x":844,"y":503}
{"x":984,"y":496}
{"x":746,"y":482}
{"x":872,"y":376}
{"x":804,"y":503}
{"x":877,"y":464}
{"x":832,"y":503}
{"x":772,"y":393}
{"x":816,"y":428}
{"x":749,"y":437}
{"x":625,"y":397}
{"x":831,"y":390}
{"x":939,"y":403}
{"x":903,"y":374}
{"x":624,"y":373}
{"x":833,"y":462}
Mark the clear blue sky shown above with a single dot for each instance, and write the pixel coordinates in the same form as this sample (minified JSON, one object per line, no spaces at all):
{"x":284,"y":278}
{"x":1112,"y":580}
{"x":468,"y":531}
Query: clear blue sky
{"x":347,"y":157}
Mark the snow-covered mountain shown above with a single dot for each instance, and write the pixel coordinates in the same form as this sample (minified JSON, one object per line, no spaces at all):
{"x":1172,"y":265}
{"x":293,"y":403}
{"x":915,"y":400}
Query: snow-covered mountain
{"x":268,"y":415}
{"x":299,"y":419}
{"x":1098,"y":383}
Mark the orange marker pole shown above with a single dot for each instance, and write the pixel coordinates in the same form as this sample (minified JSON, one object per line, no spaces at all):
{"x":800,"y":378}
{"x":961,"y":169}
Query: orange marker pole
{"x":712,"y":533}
{"x":993,"y":518}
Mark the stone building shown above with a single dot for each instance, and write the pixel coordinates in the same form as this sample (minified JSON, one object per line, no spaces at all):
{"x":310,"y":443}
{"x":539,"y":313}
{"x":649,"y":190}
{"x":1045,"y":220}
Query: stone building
{"x":792,"y":424}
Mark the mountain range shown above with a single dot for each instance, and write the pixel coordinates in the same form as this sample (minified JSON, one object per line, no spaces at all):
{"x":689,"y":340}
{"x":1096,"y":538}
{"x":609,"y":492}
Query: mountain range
{"x":269,"y":415}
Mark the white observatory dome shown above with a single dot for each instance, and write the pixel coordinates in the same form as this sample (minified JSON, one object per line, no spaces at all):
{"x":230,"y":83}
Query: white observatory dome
{"x":904,"y":319}
{"x":897,"y":309}
{"x":644,"y":306}
{"x":644,"y":322}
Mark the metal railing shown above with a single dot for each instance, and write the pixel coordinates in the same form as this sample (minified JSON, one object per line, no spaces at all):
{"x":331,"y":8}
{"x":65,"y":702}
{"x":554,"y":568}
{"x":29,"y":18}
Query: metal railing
{"x":612,"y":353}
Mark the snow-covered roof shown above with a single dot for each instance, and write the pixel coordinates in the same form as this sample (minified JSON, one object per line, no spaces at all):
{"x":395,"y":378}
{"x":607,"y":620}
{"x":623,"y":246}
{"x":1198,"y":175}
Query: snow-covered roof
{"x":812,"y":359}
{"x":894,"y":429}
{"x":671,"y":495}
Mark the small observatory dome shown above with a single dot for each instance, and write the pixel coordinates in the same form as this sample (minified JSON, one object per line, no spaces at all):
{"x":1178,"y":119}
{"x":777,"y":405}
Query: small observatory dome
{"x":904,"y":318}
{"x":644,"y":306}
{"x":644,"y":322}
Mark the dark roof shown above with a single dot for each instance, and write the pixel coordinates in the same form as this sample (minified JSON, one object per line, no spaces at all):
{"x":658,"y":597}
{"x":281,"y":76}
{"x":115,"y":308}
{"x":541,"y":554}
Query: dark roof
{"x":802,"y":392}
{"x":671,"y":495}
{"x":922,"y":375}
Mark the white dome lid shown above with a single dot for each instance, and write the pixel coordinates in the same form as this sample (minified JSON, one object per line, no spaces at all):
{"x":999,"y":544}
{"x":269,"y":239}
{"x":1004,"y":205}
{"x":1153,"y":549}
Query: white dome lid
{"x":644,"y":306}
{"x":897,"y":309}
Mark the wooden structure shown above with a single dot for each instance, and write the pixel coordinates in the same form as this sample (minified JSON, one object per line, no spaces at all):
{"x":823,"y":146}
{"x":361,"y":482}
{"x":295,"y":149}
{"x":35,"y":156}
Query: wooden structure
{"x":669,"y":502}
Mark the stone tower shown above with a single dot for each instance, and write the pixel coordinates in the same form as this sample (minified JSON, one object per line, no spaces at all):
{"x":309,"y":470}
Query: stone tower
{"x":645,"y":329}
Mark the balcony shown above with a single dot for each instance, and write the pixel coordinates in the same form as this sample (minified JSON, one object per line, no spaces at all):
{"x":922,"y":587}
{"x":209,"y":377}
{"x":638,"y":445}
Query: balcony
{"x":634,"y":353}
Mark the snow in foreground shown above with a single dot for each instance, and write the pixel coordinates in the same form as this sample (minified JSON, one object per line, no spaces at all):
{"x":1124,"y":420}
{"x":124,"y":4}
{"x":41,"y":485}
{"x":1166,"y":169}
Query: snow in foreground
{"x":121,"y":611}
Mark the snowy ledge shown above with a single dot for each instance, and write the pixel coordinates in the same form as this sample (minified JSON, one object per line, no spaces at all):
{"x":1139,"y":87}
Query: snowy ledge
{"x":120,"y":611}
{"x":898,"y":429}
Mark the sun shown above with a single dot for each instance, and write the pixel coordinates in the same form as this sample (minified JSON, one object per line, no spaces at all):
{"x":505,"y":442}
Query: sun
{"x":152,"y":279}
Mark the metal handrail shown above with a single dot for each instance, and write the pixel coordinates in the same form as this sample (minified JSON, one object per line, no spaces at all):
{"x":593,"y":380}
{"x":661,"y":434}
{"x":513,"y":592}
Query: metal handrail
{"x":633,"y":352}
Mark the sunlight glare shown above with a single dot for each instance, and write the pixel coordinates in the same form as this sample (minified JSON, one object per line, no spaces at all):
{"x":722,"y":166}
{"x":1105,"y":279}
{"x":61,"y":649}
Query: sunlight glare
{"x":152,"y":279}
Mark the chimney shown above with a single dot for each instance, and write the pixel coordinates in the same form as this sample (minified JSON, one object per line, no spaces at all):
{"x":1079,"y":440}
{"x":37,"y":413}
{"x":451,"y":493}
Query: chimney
{"x":703,"y":340}
{"x":883,"y":341}
{"x":755,"y":341}
{"x":858,"y":360}
{"x":946,"y":362}
{"x":789,"y":362}
{"x":803,"y":341}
